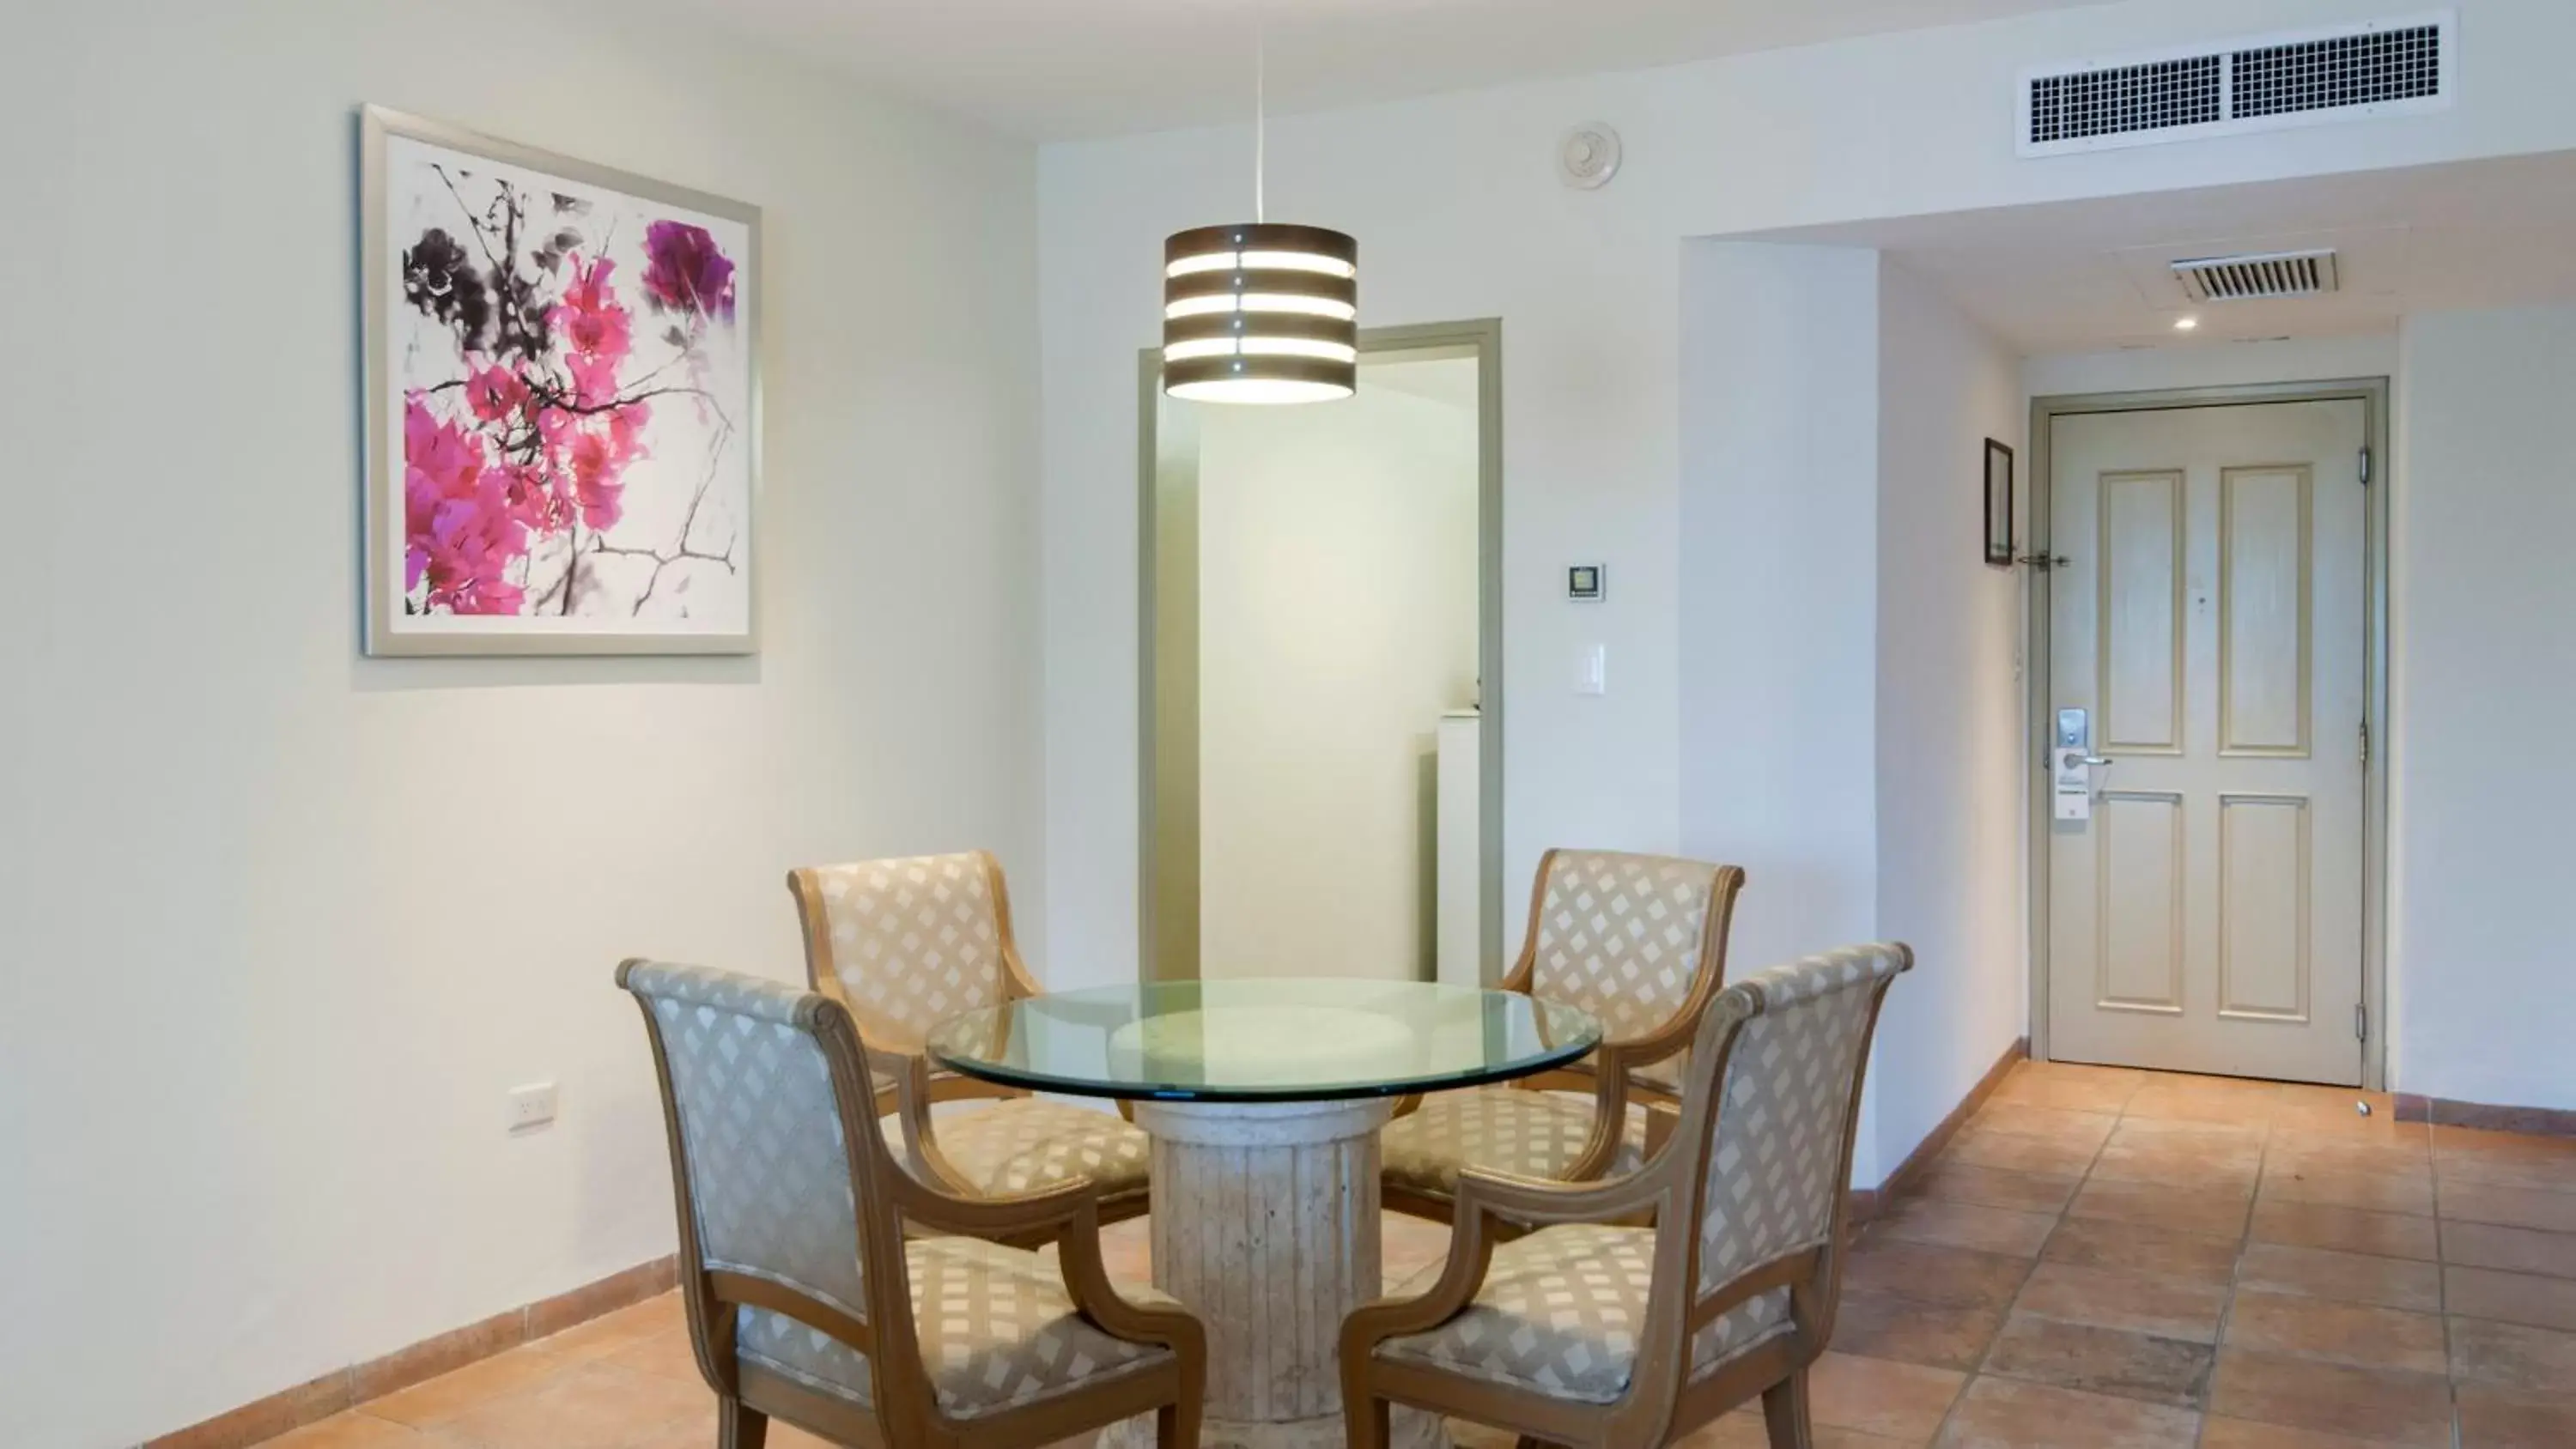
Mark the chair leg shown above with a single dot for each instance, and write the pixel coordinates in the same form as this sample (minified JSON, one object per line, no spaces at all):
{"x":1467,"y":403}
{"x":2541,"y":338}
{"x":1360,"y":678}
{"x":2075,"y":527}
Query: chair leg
{"x":1364,"y":1421}
{"x":1785,"y":1412}
{"x":738,"y":1427}
{"x":1176,"y":1425}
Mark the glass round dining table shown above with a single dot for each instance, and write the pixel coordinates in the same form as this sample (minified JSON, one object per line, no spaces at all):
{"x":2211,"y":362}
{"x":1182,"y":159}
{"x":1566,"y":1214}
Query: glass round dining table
{"x":1264,"y":1098}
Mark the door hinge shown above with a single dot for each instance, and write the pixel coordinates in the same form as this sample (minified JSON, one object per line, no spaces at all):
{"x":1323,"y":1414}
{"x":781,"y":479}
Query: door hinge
{"x":2361,"y":1022}
{"x":2365,"y":744}
{"x":2365,"y":465}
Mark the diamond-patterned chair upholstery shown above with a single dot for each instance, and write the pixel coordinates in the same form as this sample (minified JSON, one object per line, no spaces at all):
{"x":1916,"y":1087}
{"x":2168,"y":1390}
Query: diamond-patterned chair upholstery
{"x":1527,"y":1134}
{"x":1591,"y":1315}
{"x":911,"y":942}
{"x":996,"y":1329}
{"x":1028,"y":1144}
{"x":1637,"y":941}
{"x":1620,"y":935}
{"x":1779,"y":1149}
{"x":760,"y":1132}
{"x":787,"y":1191}
{"x":1560,"y":1313}
{"x":908,"y":944}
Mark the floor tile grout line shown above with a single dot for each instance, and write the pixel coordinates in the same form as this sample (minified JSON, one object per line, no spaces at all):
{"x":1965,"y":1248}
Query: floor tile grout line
{"x":2442,"y":1288}
{"x":2065,"y":1212}
{"x":2235,"y":1278}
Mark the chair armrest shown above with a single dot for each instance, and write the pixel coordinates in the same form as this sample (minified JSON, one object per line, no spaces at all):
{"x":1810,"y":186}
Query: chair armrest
{"x":1487,"y":1199}
{"x":1069,"y":1217}
{"x":1530,"y":1201}
{"x":1043,"y":1215}
{"x":1086,"y":1279}
{"x":1625,"y":1057}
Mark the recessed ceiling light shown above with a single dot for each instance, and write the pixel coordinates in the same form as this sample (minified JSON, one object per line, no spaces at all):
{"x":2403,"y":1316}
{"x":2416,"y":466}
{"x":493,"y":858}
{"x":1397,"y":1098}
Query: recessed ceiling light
{"x":2185,"y":324}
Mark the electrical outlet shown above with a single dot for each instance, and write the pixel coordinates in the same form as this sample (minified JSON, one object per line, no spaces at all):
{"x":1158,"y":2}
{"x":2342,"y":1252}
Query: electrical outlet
{"x":532,"y":1106}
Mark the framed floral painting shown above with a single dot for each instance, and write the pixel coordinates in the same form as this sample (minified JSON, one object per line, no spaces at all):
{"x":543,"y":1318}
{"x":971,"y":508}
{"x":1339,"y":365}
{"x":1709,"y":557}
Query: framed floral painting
{"x":562,"y":403}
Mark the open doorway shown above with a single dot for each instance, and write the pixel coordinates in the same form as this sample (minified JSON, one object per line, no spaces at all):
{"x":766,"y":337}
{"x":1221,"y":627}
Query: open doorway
{"x":1320,"y":649}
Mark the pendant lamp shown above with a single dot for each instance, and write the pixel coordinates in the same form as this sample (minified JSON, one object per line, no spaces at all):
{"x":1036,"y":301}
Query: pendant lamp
{"x":1260,"y":311}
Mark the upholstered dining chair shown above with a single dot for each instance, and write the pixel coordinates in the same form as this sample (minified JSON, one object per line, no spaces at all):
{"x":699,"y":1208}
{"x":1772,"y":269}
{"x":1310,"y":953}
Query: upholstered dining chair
{"x":1642,"y":1307}
{"x":1639,"y":941}
{"x":813,"y":1294}
{"x":907,"y":944}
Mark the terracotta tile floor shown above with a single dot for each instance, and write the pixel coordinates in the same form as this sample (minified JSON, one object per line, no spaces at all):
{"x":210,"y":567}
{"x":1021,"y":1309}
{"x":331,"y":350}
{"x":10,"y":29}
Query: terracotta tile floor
{"x":2103,"y":1259}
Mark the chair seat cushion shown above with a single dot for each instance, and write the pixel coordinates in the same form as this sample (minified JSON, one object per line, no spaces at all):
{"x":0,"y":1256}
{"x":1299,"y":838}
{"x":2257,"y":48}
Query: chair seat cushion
{"x":1560,"y":1312}
{"x":1027,"y":1144}
{"x":1527,"y":1134}
{"x":997,"y":1332}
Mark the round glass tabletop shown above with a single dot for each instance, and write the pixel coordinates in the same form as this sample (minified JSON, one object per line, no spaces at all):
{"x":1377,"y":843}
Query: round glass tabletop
{"x":1263,"y":1039}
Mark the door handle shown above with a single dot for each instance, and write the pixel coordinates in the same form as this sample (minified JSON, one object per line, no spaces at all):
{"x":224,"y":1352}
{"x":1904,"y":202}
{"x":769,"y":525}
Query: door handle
{"x":2100,"y":760}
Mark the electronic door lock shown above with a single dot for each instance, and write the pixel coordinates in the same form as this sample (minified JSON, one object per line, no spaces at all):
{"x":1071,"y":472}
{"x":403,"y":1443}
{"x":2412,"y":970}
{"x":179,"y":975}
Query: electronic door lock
{"x":2072,"y":765}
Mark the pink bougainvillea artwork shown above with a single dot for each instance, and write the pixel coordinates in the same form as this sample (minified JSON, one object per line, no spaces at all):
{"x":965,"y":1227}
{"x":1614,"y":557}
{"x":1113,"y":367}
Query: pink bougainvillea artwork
{"x":561,"y":403}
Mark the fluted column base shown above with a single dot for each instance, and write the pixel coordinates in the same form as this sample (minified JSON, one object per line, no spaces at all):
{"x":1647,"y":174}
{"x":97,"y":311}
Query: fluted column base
{"x":1266,"y":1226}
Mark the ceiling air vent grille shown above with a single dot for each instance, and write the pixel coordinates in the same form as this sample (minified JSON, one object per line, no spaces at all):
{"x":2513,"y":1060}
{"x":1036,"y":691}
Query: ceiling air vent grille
{"x":2348,"y":70}
{"x":2129,"y":98}
{"x":2256,"y":276}
{"x":2383,"y":68}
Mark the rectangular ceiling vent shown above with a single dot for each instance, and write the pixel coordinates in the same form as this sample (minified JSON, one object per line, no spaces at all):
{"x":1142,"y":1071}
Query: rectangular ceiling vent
{"x":2256,"y":276}
{"x":2260,"y":83}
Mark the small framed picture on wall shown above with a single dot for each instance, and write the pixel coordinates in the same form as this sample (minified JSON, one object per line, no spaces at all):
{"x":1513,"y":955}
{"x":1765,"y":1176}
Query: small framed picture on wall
{"x":1999,"y":504}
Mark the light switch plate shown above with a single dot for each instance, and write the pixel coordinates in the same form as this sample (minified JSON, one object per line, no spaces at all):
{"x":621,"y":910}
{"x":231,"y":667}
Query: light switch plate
{"x":1592,"y":670}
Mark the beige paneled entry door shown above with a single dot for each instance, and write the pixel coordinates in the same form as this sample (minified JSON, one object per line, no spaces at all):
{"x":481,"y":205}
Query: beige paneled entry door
{"x":2207,"y":618}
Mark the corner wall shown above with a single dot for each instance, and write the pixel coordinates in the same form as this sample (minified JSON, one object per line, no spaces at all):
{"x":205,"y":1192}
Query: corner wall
{"x":1952,"y":787}
{"x":2484,"y":680}
{"x":1780,"y":373}
{"x":283,"y":924}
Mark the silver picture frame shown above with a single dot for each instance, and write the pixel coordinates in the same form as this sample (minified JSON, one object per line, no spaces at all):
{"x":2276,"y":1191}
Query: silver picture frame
{"x":381,"y":575}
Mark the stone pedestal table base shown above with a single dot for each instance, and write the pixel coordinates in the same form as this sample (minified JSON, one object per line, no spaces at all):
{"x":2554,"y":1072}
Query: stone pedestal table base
{"x":1266,"y":1226}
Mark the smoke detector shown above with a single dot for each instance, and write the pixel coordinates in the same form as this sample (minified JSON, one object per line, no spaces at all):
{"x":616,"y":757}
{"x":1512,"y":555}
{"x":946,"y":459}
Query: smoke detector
{"x":2255,"y":276}
{"x":1588,"y":156}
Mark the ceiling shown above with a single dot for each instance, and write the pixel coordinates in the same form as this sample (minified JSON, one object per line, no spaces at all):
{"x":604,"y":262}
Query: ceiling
{"x":2070,"y":276}
{"x":1057,"y":69}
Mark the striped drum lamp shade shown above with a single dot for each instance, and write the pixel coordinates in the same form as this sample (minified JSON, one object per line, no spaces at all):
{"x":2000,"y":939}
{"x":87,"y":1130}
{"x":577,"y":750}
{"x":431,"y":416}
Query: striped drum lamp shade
{"x":1260,"y":312}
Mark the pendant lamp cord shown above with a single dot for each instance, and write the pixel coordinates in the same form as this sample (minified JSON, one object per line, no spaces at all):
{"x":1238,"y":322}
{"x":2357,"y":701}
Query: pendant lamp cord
{"x":1260,"y":116}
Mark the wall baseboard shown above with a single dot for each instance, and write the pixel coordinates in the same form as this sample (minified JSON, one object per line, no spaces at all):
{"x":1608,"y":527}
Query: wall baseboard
{"x":1868,"y":1202}
{"x":349,"y":1387}
{"x":2444,"y":1112}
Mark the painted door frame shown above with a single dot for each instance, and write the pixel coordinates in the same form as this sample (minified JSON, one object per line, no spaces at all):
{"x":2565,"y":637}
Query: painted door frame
{"x":2373,"y":394}
{"x":1482,"y":339}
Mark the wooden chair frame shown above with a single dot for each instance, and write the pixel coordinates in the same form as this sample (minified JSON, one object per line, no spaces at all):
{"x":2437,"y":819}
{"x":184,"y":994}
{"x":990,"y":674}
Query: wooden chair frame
{"x":890,"y":1200}
{"x":1663,"y":1402}
{"x":1610,"y":1072}
{"x":918,"y":1086}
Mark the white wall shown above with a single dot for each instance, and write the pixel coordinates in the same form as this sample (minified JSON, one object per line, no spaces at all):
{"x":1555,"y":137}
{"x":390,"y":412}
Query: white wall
{"x":283,"y":923}
{"x":2484,"y":680}
{"x":2212,"y":364}
{"x":1459,"y":215}
{"x":1779,"y":579}
{"x":1337,"y":621}
{"x":1779,"y":378}
{"x":1950,"y":732}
